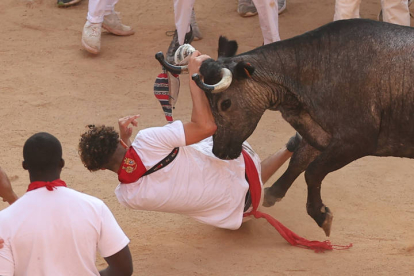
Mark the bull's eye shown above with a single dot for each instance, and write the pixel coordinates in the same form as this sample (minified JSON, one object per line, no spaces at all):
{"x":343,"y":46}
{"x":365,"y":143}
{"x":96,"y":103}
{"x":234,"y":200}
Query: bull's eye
{"x":225,"y":105}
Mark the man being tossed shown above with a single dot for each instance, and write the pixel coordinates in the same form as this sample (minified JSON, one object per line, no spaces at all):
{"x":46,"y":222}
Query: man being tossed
{"x":195,"y":183}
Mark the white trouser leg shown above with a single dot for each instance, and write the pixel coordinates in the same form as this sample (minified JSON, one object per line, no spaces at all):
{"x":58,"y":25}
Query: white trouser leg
{"x":97,"y":9}
{"x":182,"y":12}
{"x":269,"y":19}
{"x":396,"y":11}
{"x":346,"y":9}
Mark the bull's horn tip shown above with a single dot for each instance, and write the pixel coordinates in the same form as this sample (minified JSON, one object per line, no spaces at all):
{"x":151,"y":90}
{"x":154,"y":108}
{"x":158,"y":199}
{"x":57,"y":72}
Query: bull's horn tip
{"x":195,"y":76}
{"x":159,"y":55}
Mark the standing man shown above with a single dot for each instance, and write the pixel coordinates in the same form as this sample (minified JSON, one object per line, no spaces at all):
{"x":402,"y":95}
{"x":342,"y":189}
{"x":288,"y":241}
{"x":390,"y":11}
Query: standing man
{"x":268,"y":18}
{"x":102,"y":14}
{"x":54,"y":230}
{"x":393,"y":11}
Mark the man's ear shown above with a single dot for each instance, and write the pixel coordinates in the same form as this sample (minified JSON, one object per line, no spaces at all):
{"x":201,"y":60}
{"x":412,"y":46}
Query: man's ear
{"x":243,"y":70}
{"x":61,"y":163}
{"x":24,"y":165}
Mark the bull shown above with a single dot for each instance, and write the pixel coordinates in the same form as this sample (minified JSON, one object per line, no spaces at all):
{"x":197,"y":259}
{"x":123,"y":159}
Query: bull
{"x":346,"y":87}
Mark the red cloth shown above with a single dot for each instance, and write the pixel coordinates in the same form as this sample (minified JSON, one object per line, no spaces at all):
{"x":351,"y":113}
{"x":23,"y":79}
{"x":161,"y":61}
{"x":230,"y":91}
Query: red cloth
{"x":255,"y":192}
{"x":131,"y":168}
{"x":49,"y":185}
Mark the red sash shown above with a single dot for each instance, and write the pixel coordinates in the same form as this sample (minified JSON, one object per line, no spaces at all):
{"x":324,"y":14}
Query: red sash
{"x":131,"y":168}
{"x":49,"y":185}
{"x":255,"y":192}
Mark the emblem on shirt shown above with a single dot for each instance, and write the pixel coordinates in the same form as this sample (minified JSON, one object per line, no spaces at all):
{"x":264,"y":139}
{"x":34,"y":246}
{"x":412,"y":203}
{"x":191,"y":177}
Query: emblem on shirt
{"x":129,"y":165}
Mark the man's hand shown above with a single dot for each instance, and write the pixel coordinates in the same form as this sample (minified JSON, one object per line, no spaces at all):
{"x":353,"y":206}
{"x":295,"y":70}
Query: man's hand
{"x":125,"y":130}
{"x":6,"y":191}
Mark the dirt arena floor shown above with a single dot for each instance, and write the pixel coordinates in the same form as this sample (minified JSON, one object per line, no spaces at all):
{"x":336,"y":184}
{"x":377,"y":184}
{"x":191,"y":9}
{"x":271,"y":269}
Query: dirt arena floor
{"x":48,"y":83}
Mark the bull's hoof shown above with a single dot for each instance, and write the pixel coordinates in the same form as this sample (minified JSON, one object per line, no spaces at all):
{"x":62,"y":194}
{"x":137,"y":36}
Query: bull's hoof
{"x":269,"y":200}
{"x":326,"y":225}
{"x":322,"y":216}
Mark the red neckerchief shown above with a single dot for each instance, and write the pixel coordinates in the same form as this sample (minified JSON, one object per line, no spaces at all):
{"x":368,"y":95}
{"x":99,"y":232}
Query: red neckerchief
{"x":131,"y":168}
{"x":49,"y":185}
{"x":252,"y":177}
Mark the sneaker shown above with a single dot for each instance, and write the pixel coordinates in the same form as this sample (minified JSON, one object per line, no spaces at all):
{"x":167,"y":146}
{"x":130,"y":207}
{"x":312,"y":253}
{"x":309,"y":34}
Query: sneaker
{"x":67,"y":3}
{"x":379,"y":17}
{"x":281,"y":4}
{"x":246,"y":8}
{"x":196,"y":31}
{"x":91,"y":37}
{"x":112,"y":23}
{"x":189,"y":37}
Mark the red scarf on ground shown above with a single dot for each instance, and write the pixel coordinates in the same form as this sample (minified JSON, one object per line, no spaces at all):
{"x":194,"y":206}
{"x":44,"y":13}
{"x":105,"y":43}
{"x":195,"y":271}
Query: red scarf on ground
{"x":49,"y":185}
{"x":131,"y":168}
{"x":255,"y":192}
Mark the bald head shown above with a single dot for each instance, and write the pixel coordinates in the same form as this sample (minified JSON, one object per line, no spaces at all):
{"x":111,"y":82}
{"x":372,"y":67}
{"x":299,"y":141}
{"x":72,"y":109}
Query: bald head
{"x":42,"y":153}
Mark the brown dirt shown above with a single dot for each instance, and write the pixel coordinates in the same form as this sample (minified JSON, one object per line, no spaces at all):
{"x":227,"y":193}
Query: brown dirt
{"x":48,"y":83}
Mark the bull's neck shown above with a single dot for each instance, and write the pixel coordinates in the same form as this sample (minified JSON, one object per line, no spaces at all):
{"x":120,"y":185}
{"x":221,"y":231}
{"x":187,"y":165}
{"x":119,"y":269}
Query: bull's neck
{"x":271,"y":75}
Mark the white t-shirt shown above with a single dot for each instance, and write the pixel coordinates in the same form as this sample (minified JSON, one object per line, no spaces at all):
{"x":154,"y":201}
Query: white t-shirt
{"x":50,"y":233}
{"x":196,"y":183}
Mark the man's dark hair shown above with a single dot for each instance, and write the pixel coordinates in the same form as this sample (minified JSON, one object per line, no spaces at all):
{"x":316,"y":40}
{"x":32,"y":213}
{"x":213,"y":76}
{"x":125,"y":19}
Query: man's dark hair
{"x":97,"y":145}
{"x":42,"y":152}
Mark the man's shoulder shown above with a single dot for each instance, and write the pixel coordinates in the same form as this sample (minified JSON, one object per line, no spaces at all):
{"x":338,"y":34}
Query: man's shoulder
{"x":18,"y":205}
{"x":83,"y":196}
{"x":177,"y":125}
{"x":159,"y":137}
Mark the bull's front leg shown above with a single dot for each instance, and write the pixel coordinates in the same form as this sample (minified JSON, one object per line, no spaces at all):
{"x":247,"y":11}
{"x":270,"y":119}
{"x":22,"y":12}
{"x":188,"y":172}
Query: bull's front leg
{"x":334,"y":157}
{"x":299,"y":161}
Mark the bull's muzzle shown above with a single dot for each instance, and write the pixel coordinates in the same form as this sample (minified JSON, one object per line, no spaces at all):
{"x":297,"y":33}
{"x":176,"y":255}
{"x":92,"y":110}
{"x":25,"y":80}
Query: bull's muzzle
{"x":223,"y":84}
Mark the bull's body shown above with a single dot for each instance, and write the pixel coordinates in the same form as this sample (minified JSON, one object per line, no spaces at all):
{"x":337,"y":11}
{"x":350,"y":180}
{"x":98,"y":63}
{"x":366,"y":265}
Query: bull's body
{"x":347,"y":88}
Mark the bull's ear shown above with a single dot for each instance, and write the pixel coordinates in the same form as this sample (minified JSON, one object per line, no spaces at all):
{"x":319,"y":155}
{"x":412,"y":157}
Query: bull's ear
{"x":243,"y":70}
{"x":226,"y":48}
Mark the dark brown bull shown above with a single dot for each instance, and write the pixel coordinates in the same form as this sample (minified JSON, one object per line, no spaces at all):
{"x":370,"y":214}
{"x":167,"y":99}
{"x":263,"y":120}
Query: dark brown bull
{"x":347,"y":88}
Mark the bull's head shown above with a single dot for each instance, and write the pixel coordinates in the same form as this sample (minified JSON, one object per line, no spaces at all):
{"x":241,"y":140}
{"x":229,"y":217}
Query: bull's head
{"x":234,"y":99}
{"x":237,"y":98}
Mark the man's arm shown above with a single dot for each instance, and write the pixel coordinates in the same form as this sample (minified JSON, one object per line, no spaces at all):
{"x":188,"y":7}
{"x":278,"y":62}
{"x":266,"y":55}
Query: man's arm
{"x":113,"y":246}
{"x":271,"y":164}
{"x":6,"y":191}
{"x":202,"y":123}
{"x":6,"y":260}
{"x":119,"y":264}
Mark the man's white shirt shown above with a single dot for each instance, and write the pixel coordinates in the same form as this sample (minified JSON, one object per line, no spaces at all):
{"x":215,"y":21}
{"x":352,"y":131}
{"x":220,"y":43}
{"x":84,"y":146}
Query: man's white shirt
{"x":57,"y":233}
{"x":196,"y":183}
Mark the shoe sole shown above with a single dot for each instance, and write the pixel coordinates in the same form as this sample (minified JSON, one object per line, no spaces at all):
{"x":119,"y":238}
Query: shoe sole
{"x":117,"y":32}
{"x":248,"y":14}
{"x":71,"y":3}
{"x":89,"y":49}
{"x":282,"y":9}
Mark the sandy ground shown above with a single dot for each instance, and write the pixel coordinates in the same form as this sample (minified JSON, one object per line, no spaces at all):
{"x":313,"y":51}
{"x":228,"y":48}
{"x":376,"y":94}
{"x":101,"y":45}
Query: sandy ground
{"x":48,"y":83}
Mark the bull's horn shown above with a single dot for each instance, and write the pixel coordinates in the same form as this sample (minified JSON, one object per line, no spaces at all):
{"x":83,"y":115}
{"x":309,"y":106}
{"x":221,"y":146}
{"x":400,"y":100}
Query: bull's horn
{"x":222,"y":85}
{"x":169,"y":67}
